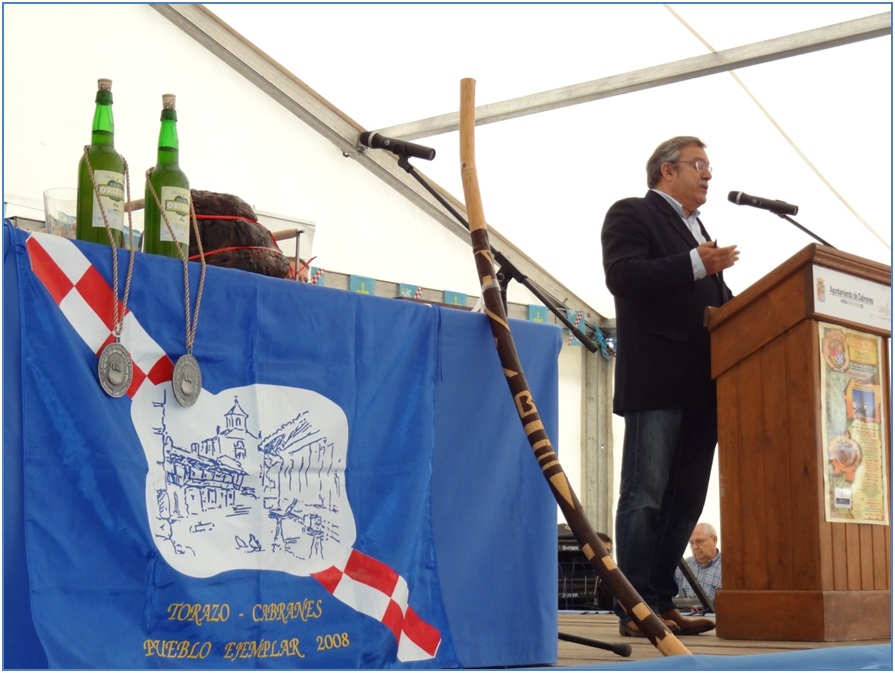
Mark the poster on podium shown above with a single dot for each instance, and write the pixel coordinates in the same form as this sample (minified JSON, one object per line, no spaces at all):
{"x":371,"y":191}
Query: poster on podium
{"x":853,"y":426}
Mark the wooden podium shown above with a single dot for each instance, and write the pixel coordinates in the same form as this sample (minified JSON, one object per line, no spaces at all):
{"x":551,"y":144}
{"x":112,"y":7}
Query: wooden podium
{"x":795,"y":566}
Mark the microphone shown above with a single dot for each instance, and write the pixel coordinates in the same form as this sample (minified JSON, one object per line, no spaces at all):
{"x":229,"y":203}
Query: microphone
{"x":774,"y":205}
{"x":399,"y":147}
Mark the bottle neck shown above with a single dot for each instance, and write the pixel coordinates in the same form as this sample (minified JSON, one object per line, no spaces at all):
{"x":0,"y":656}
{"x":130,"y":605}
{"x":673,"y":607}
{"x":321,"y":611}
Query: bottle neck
{"x":168,"y":145}
{"x":103,"y":124}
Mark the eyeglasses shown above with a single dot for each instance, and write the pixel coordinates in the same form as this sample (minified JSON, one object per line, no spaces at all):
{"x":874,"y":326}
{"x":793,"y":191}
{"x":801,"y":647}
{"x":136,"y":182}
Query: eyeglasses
{"x":700,"y":165}
{"x":697,"y":543}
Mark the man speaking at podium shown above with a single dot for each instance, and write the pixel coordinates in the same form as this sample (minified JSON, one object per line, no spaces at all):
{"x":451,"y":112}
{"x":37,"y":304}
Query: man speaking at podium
{"x":663,"y":269}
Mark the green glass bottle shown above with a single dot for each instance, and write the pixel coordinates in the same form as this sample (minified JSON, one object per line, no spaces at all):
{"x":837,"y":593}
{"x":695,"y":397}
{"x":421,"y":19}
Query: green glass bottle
{"x":108,"y":172}
{"x":172,"y":188}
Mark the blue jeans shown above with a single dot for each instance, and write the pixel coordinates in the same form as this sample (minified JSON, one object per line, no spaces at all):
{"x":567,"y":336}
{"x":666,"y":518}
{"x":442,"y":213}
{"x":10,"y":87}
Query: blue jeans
{"x":666,"y":465}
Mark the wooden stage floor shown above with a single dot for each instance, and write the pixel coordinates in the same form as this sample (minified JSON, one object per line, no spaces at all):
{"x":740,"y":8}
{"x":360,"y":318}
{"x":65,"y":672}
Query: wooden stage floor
{"x":604,"y":627}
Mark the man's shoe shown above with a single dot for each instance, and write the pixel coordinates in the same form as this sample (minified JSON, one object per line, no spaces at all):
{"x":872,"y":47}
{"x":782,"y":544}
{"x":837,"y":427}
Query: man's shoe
{"x":631,"y":629}
{"x":689,"y":626}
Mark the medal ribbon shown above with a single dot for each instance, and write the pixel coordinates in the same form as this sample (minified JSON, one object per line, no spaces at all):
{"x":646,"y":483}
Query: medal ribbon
{"x":116,"y":309}
{"x":190,"y":327}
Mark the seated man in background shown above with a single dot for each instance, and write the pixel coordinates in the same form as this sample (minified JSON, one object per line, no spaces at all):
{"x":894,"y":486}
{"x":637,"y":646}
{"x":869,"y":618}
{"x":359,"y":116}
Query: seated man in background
{"x":705,"y":564}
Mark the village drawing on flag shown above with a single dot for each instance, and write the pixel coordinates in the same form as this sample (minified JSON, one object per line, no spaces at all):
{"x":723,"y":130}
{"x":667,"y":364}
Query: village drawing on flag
{"x":251,"y":478}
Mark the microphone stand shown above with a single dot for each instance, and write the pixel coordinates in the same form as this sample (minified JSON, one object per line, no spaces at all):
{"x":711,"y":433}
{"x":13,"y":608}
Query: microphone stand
{"x":508,"y":272}
{"x":805,"y":229}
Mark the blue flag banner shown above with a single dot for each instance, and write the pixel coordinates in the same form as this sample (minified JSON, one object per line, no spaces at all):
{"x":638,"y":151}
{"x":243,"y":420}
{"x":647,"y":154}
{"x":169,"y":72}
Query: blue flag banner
{"x":454,"y":298}
{"x":577,"y":319}
{"x":406,"y":291}
{"x":537,"y":313}
{"x":362,"y":284}
{"x":283,"y":520}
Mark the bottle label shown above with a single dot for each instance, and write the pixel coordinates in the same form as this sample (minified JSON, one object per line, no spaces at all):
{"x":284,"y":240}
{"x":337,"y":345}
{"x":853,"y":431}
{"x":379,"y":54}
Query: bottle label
{"x":111,"y":192}
{"x":176,"y":204}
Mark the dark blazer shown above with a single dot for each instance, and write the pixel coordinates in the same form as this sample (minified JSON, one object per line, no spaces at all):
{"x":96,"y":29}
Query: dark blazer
{"x":663,"y":357}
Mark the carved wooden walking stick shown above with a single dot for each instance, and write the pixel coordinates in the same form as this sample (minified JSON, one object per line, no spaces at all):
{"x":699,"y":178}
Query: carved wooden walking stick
{"x":593,"y":549}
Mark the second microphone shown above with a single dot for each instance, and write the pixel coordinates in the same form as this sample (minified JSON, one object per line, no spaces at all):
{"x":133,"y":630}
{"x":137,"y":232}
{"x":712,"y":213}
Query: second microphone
{"x":400,"y":147}
{"x":774,"y":205}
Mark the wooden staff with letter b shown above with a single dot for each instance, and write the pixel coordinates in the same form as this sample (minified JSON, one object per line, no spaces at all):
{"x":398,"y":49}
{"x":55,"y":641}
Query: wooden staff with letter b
{"x":593,"y":549}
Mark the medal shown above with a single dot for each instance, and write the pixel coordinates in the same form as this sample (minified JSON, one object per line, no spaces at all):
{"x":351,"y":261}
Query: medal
{"x":115,"y":369}
{"x":187,"y":380}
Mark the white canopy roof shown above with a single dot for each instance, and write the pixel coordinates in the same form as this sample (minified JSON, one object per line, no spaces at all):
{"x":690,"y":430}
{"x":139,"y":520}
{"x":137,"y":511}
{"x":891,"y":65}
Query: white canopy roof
{"x":812,"y":129}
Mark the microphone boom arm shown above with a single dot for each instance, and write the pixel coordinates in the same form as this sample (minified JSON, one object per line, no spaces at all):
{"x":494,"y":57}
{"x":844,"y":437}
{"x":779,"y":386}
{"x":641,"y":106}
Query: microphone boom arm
{"x":806,"y":230}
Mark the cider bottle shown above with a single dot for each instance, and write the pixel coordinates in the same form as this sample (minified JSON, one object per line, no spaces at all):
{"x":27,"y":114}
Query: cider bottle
{"x":172,"y":188}
{"x":108,"y":174}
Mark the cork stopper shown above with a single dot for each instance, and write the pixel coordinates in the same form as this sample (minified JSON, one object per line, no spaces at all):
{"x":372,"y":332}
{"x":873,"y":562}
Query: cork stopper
{"x":104,"y":85}
{"x":168,"y":101}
